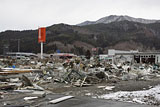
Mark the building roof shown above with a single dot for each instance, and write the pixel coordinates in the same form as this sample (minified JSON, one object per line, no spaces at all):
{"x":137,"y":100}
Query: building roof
{"x":138,"y":53}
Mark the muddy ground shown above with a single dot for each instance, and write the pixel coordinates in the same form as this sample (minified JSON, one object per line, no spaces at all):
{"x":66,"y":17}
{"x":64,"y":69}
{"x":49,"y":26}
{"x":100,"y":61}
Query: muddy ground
{"x":15,"y":99}
{"x":94,"y":91}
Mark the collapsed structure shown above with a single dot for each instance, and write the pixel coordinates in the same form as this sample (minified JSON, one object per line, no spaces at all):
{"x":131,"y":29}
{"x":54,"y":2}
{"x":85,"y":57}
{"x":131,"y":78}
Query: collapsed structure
{"x":33,"y":73}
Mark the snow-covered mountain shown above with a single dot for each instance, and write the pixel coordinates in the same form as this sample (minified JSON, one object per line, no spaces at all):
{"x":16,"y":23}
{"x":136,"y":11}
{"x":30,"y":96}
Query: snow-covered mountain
{"x":115,"y":18}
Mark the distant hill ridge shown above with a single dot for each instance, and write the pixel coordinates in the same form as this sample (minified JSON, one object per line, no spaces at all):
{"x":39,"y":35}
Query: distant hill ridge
{"x":124,"y":33}
{"x":116,"y":18}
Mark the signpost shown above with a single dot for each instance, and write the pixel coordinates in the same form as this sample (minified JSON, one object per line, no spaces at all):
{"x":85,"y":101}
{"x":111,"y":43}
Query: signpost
{"x":42,"y":38}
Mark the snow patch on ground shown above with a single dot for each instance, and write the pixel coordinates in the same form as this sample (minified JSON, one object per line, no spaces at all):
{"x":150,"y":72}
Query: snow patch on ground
{"x":109,"y":87}
{"x":88,"y":94}
{"x":150,"y":97}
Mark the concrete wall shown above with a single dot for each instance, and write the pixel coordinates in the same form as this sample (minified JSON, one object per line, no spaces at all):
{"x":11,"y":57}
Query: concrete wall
{"x":157,"y":59}
{"x":103,"y":57}
{"x":113,"y":51}
{"x":124,"y":58}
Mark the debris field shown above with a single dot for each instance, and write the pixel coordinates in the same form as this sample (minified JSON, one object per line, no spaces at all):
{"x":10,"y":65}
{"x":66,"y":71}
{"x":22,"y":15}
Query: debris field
{"x":30,"y":80}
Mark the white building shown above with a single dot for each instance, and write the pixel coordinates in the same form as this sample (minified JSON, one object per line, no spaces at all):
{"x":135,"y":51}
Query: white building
{"x":133,"y":56}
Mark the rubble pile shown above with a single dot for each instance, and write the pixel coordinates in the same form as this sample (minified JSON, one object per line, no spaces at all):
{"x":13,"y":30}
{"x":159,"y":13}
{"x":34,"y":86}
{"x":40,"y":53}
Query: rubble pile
{"x":75,"y":70}
{"x":27,"y":75}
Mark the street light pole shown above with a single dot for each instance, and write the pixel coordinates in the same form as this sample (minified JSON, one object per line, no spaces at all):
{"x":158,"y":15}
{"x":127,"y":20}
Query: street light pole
{"x":18,"y":43}
{"x":41,"y":50}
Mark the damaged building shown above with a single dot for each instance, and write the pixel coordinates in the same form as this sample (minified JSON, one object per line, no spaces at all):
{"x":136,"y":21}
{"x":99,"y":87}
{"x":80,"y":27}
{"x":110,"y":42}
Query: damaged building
{"x":133,"y":56}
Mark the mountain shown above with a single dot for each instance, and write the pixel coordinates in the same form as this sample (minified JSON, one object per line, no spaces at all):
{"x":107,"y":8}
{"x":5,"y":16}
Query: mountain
{"x":124,"y":35}
{"x":115,"y":18}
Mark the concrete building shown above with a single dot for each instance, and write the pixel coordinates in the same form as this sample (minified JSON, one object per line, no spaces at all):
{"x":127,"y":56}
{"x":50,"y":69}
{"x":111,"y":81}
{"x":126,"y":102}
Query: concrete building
{"x":133,"y":56}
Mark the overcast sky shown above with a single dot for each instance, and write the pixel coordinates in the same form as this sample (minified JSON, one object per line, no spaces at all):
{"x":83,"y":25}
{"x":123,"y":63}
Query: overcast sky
{"x":31,"y":14}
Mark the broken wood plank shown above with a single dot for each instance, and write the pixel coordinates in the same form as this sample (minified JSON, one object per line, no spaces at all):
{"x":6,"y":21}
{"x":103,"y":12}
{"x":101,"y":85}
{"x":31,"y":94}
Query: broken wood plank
{"x":7,"y":87}
{"x":26,"y":81}
{"x":7,"y":73}
{"x":83,"y":81}
{"x":38,"y":87}
{"x":60,"y":99}
{"x":30,"y":98}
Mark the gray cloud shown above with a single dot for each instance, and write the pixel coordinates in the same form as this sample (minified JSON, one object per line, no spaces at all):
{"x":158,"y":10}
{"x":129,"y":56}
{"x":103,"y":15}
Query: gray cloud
{"x":29,"y":14}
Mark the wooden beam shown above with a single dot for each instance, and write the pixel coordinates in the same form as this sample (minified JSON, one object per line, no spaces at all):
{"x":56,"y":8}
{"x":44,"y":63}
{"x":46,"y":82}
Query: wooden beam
{"x":60,"y":99}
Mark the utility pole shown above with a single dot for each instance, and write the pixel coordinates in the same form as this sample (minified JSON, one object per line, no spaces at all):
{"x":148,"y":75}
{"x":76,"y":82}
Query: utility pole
{"x":18,"y":45}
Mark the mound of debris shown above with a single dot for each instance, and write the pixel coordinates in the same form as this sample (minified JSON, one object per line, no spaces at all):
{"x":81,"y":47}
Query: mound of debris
{"x":28,"y":75}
